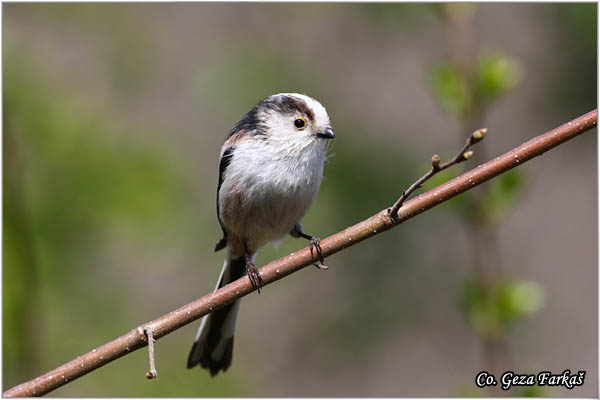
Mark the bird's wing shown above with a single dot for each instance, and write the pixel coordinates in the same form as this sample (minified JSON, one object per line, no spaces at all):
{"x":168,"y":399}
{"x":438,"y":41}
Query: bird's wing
{"x":226,"y":156}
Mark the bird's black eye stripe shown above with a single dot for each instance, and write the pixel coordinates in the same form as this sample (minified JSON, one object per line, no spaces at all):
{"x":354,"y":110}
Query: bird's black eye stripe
{"x":299,"y":123}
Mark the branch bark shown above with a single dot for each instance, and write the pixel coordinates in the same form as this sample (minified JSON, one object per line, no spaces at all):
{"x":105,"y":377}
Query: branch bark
{"x":275,"y":270}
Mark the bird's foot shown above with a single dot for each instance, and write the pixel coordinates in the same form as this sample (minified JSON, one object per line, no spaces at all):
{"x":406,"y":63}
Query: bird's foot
{"x":315,"y":243}
{"x":254,"y":275}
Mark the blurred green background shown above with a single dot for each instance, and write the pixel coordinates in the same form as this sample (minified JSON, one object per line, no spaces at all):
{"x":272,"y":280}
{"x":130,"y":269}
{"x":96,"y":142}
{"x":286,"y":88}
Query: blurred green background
{"x":114,"y":115}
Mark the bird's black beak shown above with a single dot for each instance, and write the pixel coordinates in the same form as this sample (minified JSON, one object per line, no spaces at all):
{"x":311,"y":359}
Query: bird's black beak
{"x":326,"y":134}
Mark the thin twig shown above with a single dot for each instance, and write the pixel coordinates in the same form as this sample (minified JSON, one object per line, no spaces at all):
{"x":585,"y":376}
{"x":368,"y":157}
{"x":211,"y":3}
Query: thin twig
{"x":461,"y":156}
{"x":148,"y":333}
{"x":282,"y":267}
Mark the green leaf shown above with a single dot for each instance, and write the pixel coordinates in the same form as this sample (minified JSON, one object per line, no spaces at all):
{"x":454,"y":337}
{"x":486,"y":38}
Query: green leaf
{"x":495,"y":75}
{"x":451,"y":89}
{"x":462,"y":92}
{"x":492,"y":308}
{"x":519,"y":299}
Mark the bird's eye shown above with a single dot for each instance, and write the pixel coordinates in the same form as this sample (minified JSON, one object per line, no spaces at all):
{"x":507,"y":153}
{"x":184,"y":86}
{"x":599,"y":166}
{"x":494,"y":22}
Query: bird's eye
{"x":299,"y":123}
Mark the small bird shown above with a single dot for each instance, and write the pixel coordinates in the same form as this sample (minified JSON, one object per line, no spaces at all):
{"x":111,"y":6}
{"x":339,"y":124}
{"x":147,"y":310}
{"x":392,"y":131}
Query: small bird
{"x":270,"y":171}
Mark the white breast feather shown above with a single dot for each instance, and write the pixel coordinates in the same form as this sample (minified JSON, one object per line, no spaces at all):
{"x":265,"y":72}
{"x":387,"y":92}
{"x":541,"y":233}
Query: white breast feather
{"x":266,"y":191}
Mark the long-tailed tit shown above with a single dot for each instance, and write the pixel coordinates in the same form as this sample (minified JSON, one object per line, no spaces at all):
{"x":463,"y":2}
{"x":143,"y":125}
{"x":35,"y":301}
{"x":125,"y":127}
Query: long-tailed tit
{"x":270,"y":171}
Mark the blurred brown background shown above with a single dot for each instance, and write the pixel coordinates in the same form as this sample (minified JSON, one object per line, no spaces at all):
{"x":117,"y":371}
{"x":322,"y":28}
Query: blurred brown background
{"x":114,"y":115}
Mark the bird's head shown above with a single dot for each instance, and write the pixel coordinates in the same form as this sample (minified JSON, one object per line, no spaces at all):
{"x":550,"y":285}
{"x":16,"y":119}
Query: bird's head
{"x":289,"y":117}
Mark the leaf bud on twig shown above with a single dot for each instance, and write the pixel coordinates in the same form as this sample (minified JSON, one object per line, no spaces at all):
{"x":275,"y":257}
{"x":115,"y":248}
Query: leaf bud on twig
{"x":478,"y":135}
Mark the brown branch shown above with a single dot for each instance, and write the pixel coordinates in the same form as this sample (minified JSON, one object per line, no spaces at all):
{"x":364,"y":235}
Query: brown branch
{"x":277,"y":269}
{"x":461,"y":156}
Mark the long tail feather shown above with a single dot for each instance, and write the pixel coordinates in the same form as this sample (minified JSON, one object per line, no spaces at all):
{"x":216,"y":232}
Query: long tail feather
{"x":213,"y":347}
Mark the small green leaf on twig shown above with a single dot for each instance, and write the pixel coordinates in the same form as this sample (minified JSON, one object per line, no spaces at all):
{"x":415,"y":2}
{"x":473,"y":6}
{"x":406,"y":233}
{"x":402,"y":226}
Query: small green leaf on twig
{"x":467,"y":154}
